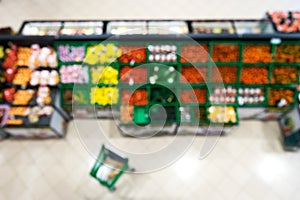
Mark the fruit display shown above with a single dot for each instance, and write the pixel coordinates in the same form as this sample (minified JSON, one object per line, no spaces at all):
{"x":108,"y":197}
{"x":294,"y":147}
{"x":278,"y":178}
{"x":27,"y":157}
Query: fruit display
{"x":224,"y":74}
{"x":22,"y":77}
{"x":253,"y":27}
{"x":163,"y":75}
{"x":281,"y":97}
{"x":251,"y":96}
{"x":212,"y":27}
{"x":285,"y":75}
{"x":132,"y":75}
{"x":8,"y":94}
{"x":222,"y":114}
{"x":41,"y":29}
{"x":126,"y":113}
{"x":102,"y":54}
{"x":162,"y":53}
{"x":196,"y":95}
{"x":22,"y":97}
{"x":19,"y":111}
{"x":126,"y":27}
{"x":287,"y":53}
{"x":82,"y":28}
{"x":194,"y":53}
{"x":225,"y":53}
{"x":167,"y":27}
{"x":223,"y":95}
{"x":105,"y":75}
{"x":104,"y":95}
{"x":11,"y":57}
{"x":36,"y":56}
{"x":44,"y":77}
{"x":43,"y":96}
{"x":192,"y":74}
{"x":132,"y":54}
{"x":254,"y":75}
{"x":286,"y":22}
{"x":70,"y":53}
{"x":138,"y":97}
{"x":30,"y":114}
{"x":74,"y":74}
{"x":257,"y":53}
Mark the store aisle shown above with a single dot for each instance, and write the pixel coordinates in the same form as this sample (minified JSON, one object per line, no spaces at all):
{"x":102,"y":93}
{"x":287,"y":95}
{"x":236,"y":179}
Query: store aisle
{"x":248,"y":164}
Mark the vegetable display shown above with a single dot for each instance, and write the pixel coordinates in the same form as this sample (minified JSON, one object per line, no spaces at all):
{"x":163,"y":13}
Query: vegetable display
{"x":193,"y":75}
{"x":196,"y":95}
{"x":257,"y":53}
{"x":285,"y":75}
{"x":194,"y":53}
{"x":287,"y":53}
{"x":225,"y":53}
{"x":133,"y":54}
{"x":132,"y":75}
{"x":276,"y":95}
{"x":224,"y":74}
{"x":138,"y":97}
{"x":254,"y":75}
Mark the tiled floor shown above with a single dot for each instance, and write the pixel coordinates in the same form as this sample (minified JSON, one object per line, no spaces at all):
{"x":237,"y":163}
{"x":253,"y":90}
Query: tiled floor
{"x":247,"y":164}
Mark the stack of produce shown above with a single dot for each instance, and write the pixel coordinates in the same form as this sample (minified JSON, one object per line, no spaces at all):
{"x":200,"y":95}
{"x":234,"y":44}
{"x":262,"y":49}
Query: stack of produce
{"x":193,"y":75}
{"x":257,"y":53}
{"x":224,"y":74}
{"x":162,"y":53}
{"x":287,"y":53}
{"x":192,"y":96}
{"x":104,"y":95}
{"x":132,"y":54}
{"x":223,"y":95}
{"x":74,"y":74}
{"x":251,"y":96}
{"x":102,"y":53}
{"x":225,"y":53}
{"x":106,"y":75}
{"x":278,"y":95}
{"x":194,"y":53}
{"x":254,"y":75}
{"x":222,"y":114}
{"x":132,"y":75}
{"x":285,"y":75}
{"x":138,"y":97}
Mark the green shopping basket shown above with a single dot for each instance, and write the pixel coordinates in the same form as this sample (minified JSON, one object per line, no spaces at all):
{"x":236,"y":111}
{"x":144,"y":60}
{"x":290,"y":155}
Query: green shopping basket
{"x":109,"y":167}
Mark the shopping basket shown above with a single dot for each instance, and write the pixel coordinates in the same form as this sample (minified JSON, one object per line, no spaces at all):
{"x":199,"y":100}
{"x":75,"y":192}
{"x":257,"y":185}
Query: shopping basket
{"x":109,"y":167}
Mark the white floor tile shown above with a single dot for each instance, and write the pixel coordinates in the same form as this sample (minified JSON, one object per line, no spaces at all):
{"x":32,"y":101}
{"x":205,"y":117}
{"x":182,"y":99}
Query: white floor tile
{"x":255,"y":169}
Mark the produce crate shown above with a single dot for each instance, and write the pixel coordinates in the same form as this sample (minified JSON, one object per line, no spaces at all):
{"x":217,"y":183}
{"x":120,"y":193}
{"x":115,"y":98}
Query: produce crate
{"x":284,"y":75}
{"x":280,"y":96}
{"x":193,"y":75}
{"x":222,"y":114}
{"x":252,"y":96}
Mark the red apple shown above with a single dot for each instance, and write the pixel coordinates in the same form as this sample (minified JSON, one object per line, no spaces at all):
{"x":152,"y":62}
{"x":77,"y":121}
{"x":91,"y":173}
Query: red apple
{"x":8,"y":94}
{"x":9,"y":74}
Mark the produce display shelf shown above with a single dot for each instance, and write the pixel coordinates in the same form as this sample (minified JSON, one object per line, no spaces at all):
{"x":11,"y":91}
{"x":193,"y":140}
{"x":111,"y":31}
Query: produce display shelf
{"x":267,"y":39}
